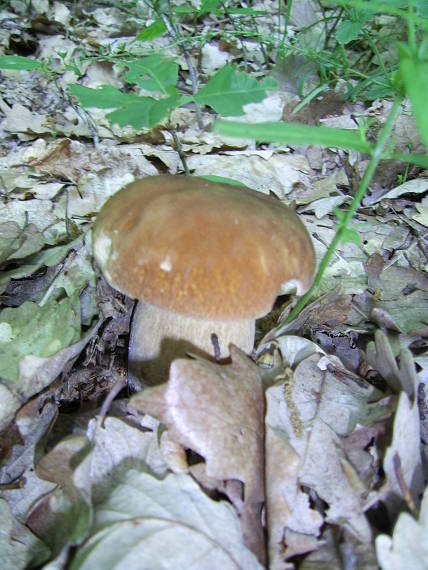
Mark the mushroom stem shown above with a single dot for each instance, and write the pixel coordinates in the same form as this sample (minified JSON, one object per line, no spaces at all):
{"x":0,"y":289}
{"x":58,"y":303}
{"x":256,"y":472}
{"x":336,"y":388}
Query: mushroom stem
{"x":159,"y":336}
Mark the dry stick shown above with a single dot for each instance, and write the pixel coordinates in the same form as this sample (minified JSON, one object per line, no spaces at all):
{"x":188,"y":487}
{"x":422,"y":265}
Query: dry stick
{"x":115,"y":391}
{"x":180,"y":150}
{"x":376,"y":156}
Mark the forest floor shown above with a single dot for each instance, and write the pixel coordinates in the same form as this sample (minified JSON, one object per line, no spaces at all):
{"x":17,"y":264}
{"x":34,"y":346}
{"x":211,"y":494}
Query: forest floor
{"x":311,"y":452}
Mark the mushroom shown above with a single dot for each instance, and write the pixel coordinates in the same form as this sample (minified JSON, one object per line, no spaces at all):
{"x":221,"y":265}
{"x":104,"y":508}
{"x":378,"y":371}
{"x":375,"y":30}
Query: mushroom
{"x":202,"y":258}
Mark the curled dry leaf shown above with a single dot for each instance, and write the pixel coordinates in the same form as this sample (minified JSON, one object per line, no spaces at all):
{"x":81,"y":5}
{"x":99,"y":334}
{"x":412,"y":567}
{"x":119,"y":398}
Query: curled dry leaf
{"x":19,"y":547}
{"x":217,"y":411}
{"x":381,"y":357}
{"x":402,"y":293}
{"x":144,"y":522}
{"x":309,"y":412}
{"x":402,"y":463}
{"x":63,"y":516}
{"x":408,"y":546}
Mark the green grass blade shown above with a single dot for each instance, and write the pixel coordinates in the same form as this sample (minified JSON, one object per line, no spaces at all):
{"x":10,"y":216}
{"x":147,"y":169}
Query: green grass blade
{"x":291,"y":133}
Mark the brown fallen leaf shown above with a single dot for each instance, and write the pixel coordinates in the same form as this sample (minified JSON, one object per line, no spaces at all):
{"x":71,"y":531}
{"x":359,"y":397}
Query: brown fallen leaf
{"x":217,"y":410}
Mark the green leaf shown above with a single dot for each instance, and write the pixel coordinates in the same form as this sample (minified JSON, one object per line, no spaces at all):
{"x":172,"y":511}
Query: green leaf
{"x":291,"y":133}
{"x":183,"y":9}
{"x":350,"y":235}
{"x":348,"y":31}
{"x":229,"y":90}
{"x":415,"y":76}
{"x":246,"y":11}
{"x":223,"y":180}
{"x":377,"y":91}
{"x":18,"y":62}
{"x":418,"y":159}
{"x":39,"y":331}
{"x":105,"y":97}
{"x":145,"y":112}
{"x":339,"y":214}
{"x":209,"y":7}
{"x":156,"y":29}
{"x":153,"y":73}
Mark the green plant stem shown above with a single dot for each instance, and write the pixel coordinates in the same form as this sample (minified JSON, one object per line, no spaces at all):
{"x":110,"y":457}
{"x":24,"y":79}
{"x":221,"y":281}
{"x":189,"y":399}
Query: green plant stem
{"x":376,"y":52}
{"x":376,"y":156}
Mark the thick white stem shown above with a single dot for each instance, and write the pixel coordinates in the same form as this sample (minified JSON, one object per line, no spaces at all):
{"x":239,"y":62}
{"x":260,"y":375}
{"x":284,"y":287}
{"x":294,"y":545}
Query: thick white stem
{"x":159,"y":336}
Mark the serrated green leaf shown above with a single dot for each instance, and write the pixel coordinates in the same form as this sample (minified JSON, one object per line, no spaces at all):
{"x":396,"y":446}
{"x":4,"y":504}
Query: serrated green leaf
{"x":39,"y":331}
{"x":348,"y":31}
{"x":339,"y":214}
{"x":292,"y":133}
{"x":145,"y":112}
{"x":229,"y":90}
{"x":105,"y":97}
{"x":156,"y":29}
{"x":153,"y":73}
{"x":18,"y":62}
{"x":378,"y":92}
{"x":415,"y":76}
{"x":350,"y":235}
{"x":209,"y":7}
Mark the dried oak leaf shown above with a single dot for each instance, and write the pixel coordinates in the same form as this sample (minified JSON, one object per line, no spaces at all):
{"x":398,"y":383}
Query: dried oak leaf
{"x":217,"y":410}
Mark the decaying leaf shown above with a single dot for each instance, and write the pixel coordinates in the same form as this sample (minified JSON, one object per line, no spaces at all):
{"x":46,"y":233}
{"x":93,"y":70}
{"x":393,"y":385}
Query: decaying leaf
{"x":144,"y":522}
{"x":217,"y":411}
{"x":19,"y":547}
{"x":408,"y":546}
{"x":115,"y":443}
{"x":400,"y":377}
{"x":402,"y":462}
{"x":402,"y":292}
{"x":39,"y":331}
{"x":309,"y":410}
{"x":62,"y":517}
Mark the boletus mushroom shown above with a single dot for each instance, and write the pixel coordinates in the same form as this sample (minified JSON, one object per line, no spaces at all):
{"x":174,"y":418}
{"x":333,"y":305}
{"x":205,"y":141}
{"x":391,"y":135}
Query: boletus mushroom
{"x":202,"y":258}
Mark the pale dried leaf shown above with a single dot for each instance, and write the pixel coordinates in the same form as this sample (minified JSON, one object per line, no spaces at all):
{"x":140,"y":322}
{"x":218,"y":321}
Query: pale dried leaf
{"x":112,"y":444}
{"x":312,"y":408}
{"x":405,"y":447}
{"x":408,"y":546}
{"x":145,"y":522}
{"x":217,"y":410}
{"x":19,"y":547}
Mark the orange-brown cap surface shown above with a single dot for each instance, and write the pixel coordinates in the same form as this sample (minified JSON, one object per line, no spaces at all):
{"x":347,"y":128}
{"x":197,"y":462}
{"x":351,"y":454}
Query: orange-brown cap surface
{"x":201,"y":248}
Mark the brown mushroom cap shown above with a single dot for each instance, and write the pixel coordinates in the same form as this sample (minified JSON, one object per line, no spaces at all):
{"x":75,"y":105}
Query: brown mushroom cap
{"x":201,"y":248}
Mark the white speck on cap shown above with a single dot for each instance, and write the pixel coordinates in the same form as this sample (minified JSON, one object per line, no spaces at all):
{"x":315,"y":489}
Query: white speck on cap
{"x":166,"y":264}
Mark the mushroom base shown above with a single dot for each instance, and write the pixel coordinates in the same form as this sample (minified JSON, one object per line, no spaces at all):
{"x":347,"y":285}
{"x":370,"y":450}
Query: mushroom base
{"x":159,"y":336}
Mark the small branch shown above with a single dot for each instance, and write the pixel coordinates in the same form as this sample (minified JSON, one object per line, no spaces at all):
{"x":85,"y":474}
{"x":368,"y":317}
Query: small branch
{"x":180,"y":150}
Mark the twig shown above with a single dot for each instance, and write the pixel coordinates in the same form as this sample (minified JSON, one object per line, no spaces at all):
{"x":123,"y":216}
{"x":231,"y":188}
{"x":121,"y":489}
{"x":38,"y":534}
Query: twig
{"x":117,"y":388}
{"x":180,"y":150}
